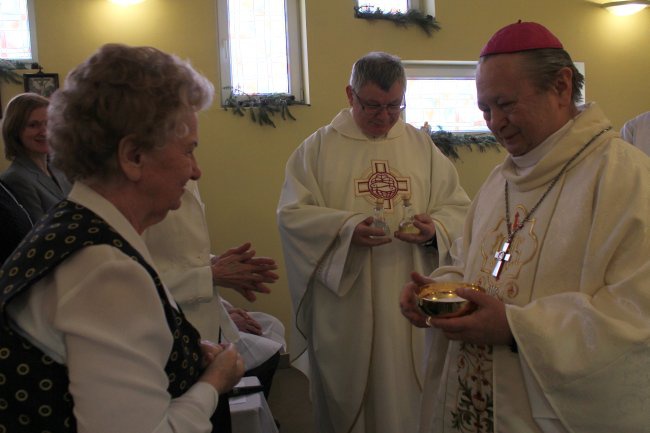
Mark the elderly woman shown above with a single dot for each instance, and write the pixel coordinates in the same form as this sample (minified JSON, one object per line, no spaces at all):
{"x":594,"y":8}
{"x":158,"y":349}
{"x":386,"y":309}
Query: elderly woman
{"x":109,"y":349}
{"x":36,"y":184}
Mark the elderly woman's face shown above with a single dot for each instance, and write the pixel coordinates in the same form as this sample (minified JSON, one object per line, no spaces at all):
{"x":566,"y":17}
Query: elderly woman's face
{"x":33,"y":135}
{"x":168,"y":168}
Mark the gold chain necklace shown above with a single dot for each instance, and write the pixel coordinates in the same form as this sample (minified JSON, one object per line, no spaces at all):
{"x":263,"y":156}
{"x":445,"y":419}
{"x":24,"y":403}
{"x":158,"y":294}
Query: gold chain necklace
{"x":503,"y":256}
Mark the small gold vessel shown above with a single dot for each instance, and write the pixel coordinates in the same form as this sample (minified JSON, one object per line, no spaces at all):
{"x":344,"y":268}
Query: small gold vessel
{"x":441,"y":300}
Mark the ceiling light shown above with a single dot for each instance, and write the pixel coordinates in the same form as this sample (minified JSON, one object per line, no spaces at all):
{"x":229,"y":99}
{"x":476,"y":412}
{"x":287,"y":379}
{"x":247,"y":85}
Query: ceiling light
{"x":622,"y":8}
{"x":126,"y":2}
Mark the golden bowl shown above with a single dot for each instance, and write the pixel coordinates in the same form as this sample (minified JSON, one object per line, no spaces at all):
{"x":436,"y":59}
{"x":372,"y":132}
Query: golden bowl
{"x":441,"y":300}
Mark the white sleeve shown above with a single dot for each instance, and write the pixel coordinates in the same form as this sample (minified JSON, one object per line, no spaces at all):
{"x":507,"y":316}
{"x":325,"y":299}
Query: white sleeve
{"x":117,"y":343}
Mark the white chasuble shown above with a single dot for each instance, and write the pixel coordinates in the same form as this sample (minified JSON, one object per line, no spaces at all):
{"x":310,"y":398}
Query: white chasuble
{"x":576,"y":289}
{"x":365,"y":359}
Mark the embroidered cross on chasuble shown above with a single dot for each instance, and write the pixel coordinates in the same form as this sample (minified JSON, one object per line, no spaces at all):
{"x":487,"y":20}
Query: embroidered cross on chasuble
{"x":35,"y":387}
{"x":382,"y":182}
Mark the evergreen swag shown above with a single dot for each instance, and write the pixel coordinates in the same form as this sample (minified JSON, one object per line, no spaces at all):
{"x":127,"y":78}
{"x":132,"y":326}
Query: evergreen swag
{"x":8,"y":73}
{"x":412,"y":16}
{"x":449,"y":143}
{"x":261,"y":106}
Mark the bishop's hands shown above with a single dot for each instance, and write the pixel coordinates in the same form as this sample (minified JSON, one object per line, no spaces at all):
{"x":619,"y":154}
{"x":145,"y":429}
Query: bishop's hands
{"x":239,"y":269}
{"x":487,"y":324}
{"x":408,"y":303}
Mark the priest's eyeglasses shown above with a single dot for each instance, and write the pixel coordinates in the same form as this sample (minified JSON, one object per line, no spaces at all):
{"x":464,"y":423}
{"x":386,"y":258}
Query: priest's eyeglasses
{"x":377,"y":108}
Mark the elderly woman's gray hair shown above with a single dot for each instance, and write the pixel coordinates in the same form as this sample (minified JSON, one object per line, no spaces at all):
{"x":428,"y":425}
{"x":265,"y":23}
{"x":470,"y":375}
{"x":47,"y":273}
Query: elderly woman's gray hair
{"x":121,"y":91}
{"x":380,"y":68}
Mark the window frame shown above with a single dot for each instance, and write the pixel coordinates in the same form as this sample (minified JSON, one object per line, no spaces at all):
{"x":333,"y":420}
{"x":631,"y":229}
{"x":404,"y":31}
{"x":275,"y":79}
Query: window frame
{"x":296,"y":50}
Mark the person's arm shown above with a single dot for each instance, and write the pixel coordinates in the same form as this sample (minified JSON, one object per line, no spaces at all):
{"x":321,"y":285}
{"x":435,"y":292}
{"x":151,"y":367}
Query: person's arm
{"x":117,"y":344}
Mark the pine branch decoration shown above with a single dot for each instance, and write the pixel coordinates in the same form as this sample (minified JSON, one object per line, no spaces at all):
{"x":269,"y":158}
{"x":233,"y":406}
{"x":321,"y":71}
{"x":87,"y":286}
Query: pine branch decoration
{"x":449,"y":143}
{"x":8,"y":73}
{"x":412,"y":16}
{"x":262,"y":107}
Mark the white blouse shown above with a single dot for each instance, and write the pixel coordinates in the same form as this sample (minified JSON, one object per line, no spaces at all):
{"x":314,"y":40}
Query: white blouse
{"x":99,"y":313}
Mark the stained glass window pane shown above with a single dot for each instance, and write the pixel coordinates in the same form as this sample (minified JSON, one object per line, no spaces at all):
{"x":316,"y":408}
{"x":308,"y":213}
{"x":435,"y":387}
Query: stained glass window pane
{"x":15,"y":38}
{"x":258,"y":46}
{"x":449,"y":104}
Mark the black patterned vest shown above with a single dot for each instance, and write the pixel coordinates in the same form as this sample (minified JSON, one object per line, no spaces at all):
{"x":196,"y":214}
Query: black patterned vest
{"x":34,"y":395}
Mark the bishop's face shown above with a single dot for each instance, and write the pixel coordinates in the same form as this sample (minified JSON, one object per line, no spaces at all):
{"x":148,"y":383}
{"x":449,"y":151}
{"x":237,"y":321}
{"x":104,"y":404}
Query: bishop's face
{"x":519,"y":114}
{"x":376,"y":111}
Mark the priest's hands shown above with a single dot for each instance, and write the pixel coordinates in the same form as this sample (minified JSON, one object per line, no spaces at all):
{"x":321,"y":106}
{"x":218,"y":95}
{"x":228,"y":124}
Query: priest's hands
{"x":408,"y":300}
{"x":427,"y":228}
{"x":368,"y":236}
{"x":488,"y":324}
{"x":239,"y":269}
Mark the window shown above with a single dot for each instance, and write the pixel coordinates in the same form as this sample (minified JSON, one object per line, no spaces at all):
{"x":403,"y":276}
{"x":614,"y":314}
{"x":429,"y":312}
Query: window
{"x":262,"y":47}
{"x":443,"y":94}
{"x":17,"y":31}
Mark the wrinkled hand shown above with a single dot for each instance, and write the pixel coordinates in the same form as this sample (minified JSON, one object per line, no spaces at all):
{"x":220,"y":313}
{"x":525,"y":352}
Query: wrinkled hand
{"x":368,"y":236}
{"x":209,"y":351}
{"x":486,"y":325}
{"x":239,"y":269}
{"x":224,"y":368}
{"x":244,"y":322}
{"x":408,"y":300}
{"x":427,"y":230}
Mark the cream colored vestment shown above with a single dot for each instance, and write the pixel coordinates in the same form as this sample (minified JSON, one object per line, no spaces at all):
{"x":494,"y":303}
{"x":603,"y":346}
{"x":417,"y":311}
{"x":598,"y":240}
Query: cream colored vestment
{"x":577,"y":293}
{"x":365,"y":359}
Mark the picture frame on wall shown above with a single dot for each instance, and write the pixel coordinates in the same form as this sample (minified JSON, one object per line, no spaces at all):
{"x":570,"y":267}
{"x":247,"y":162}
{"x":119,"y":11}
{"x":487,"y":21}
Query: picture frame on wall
{"x":41,"y":83}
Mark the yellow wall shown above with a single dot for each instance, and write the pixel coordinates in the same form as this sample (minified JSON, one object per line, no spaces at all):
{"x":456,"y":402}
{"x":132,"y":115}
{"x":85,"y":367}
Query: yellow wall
{"x":243,"y":163}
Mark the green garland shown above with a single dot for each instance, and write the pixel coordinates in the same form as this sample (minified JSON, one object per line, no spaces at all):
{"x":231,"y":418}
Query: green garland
{"x":412,"y":16}
{"x":8,"y":73}
{"x":449,"y":143}
{"x":261,"y":106}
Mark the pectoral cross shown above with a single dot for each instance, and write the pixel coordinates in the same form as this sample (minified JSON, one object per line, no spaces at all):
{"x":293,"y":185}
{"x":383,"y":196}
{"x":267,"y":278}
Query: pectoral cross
{"x":502,"y":257}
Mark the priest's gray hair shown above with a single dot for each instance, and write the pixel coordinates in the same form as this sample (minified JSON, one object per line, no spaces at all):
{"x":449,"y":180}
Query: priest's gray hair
{"x":380,"y":68}
{"x":117,"y":92}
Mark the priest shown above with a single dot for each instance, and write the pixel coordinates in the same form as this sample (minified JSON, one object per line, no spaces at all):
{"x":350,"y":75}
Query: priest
{"x":365,"y":361}
{"x":558,"y":238}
